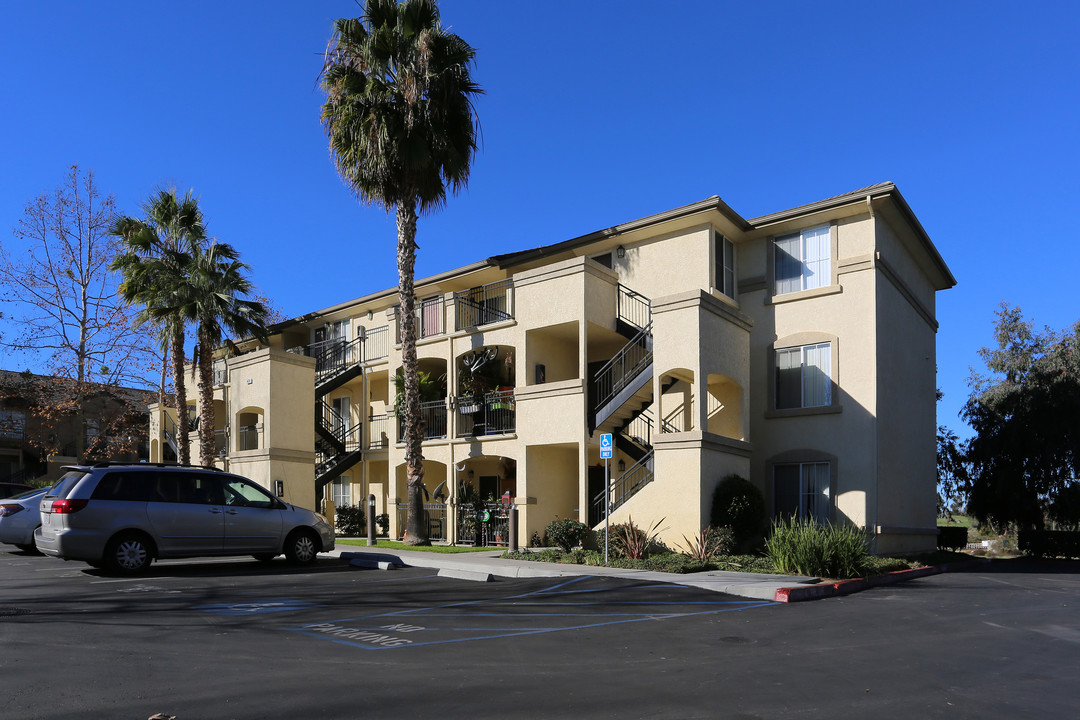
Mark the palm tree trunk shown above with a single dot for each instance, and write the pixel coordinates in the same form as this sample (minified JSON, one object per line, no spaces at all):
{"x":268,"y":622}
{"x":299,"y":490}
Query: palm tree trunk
{"x":183,"y":442}
{"x":415,"y":528}
{"x":206,"y":400}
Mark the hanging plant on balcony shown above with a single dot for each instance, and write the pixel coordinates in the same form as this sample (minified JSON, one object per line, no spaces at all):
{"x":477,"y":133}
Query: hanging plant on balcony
{"x":479,"y":375}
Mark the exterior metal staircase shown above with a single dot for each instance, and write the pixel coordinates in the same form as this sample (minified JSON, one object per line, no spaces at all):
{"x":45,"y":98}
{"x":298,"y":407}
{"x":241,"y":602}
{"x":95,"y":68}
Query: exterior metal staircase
{"x":337,"y":446}
{"x":622,"y":390}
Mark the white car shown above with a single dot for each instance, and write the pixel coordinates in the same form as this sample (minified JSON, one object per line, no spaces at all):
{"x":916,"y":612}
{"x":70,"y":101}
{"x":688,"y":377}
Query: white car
{"x":20,"y":516}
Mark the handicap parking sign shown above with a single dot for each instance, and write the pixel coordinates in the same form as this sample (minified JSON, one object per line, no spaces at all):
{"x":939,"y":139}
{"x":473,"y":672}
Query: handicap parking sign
{"x":605,"y":446}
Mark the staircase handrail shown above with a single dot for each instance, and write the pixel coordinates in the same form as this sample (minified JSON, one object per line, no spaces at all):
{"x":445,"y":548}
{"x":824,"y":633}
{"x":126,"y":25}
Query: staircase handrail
{"x":634,"y":357}
{"x":335,"y":356}
{"x":634,"y":308}
{"x":627,"y":485}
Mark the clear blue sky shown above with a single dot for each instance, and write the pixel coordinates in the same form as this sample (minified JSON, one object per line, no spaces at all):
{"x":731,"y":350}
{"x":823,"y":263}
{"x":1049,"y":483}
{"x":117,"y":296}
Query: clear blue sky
{"x":596,"y":113}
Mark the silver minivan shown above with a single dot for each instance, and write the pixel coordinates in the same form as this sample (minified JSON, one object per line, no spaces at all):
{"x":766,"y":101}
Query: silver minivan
{"x":122,"y":516}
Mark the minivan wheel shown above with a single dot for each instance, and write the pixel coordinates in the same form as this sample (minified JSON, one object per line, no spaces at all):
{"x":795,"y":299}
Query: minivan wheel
{"x":301,"y":547}
{"x":129,"y":554}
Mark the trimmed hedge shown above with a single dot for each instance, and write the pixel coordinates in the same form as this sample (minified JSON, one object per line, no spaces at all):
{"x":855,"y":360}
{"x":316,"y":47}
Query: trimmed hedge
{"x":952,"y":537}
{"x":1050,"y":543}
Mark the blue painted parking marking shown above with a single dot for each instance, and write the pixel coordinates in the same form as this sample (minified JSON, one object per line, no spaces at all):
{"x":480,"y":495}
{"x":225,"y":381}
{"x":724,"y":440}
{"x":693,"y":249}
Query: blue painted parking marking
{"x":261,"y":607}
{"x":507,"y":617}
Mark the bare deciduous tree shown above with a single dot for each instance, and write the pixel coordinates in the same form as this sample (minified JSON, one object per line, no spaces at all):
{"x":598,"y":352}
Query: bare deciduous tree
{"x":60,"y":299}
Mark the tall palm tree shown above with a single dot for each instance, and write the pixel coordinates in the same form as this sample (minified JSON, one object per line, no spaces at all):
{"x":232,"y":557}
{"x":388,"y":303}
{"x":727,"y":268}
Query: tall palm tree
{"x":216,"y":282}
{"x":401,"y":126}
{"x":154,"y":265}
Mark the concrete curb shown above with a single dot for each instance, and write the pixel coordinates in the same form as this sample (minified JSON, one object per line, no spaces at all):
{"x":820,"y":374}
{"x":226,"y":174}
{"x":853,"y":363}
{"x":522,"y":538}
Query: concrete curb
{"x":846,"y":587}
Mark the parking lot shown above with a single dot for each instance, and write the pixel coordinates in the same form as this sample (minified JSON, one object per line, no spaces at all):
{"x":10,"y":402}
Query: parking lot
{"x":240,"y":639}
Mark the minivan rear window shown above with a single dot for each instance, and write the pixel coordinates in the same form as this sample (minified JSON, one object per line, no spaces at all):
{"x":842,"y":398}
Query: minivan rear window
{"x":66,"y":482}
{"x":134,"y":485}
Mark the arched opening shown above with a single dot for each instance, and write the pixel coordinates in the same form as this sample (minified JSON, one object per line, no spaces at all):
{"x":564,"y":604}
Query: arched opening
{"x":432,"y":376}
{"x":485,"y":402}
{"x":724,"y":403}
{"x":484,"y":491}
{"x":249,"y":428}
{"x":676,"y":412}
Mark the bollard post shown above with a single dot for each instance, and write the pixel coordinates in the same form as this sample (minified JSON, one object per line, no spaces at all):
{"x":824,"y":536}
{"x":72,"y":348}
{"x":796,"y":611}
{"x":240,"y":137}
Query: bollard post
{"x":513,"y":530}
{"x":371,"y":521}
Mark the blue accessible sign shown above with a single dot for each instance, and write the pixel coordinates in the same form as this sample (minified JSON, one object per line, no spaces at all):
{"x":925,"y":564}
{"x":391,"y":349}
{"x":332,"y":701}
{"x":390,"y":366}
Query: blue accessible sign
{"x":605,"y":446}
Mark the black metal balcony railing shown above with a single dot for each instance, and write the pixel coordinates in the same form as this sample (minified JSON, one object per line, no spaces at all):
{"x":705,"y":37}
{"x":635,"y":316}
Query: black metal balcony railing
{"x":627,"y":364}
{"x":626,"y":485}
{"x":640,"y":430}
{"x":433,"y":414}
{"x":493,"y":531}
{"x":434,"y":516}
{"x":483,"y":305}
{"x":220,"y":443}
{"x":634,"y":308}
{"x":491,"y":414}
{"x":429,"y":317}
{"x":378,"y":432}
{"x":334,"y":356}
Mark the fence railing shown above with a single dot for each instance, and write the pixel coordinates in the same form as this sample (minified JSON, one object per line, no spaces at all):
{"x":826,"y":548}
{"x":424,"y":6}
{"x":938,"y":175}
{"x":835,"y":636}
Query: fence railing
{"x":247,"y":437}
{"x":483,"y":305}
{"x":627,"y":364}
{"x":626,"y":485}
{"x":378,"y":431}
{"x":334,"y":356}
{"x":376,"y":343}
{"x":491,"y":414}
{"x":434,"y":516}
{"x":221,"y":373}
{"x":634,"y":308}
{"x":640,"y":430}
{"x":433,"y":414}
{"x":494,"y":530}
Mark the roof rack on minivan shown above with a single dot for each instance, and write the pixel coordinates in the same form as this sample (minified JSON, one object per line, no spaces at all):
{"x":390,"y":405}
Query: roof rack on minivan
{"x":118,"y":463}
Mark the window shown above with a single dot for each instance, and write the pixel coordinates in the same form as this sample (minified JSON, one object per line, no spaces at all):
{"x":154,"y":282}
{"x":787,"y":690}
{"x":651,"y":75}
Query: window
{"x":12,"y":424}
{"x":801,"y":490}
{"x":804,"y":376}
{"x":724,"y":280}
{"x":342,"y":492}
{"x":801,"y":260}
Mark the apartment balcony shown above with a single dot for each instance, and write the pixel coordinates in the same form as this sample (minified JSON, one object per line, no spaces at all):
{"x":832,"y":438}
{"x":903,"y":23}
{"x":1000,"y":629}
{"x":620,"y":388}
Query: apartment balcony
{"x":493,"y":413}
{"x":484,"y":305}
{"x":433,"y":415}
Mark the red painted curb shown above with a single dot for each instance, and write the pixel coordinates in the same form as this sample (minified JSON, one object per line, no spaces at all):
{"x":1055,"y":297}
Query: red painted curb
{"x":802,"y":593}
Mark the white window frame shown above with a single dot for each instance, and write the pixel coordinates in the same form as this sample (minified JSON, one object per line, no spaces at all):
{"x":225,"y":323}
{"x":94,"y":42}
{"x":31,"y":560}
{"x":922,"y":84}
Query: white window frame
{"x":809,"y":252}
{"x":814,"y":492}
{"x":815,"y":375}
{"x":724,"y":266}
{"x":342,"y":489}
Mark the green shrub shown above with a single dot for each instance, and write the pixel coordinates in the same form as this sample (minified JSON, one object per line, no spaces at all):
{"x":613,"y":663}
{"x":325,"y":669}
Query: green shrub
{"x":383,"y":523}
{"x":350,"y":520}
{"x":565,"y":533}
{"x":738,"y":504}
{"x":631,"y":541}
{"x":809,"y":548}
{"x":710,"y":542}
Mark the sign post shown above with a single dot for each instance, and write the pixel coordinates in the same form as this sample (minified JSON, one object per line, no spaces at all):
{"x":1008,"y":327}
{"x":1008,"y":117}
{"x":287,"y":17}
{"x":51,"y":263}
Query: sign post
{"x":605,"y":454}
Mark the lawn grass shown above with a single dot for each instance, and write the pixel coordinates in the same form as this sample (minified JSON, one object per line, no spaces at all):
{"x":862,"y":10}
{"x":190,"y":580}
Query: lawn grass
{"x":394,"y":545}
{"x":964,"y":520}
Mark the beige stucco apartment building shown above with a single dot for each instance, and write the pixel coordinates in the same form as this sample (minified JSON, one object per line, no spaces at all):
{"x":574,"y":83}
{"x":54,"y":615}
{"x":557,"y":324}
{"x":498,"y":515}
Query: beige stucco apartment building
{"x":795,"y":349}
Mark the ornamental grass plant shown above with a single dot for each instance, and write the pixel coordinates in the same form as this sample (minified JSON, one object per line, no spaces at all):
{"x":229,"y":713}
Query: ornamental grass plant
{"x":807,"y":547}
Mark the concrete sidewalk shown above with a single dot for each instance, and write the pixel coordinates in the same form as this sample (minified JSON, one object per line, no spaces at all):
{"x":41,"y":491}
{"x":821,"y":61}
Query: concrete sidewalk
{"x":482,"y":565}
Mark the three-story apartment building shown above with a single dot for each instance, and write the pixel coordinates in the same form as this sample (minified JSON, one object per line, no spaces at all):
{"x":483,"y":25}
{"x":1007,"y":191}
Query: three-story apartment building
{"x":796,"y":349}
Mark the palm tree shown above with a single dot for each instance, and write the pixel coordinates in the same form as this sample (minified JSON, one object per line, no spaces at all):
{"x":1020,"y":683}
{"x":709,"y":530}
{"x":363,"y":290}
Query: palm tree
{"x":216,"y":281}
{"x":401,"y":126}
{"x":154,"y":267}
